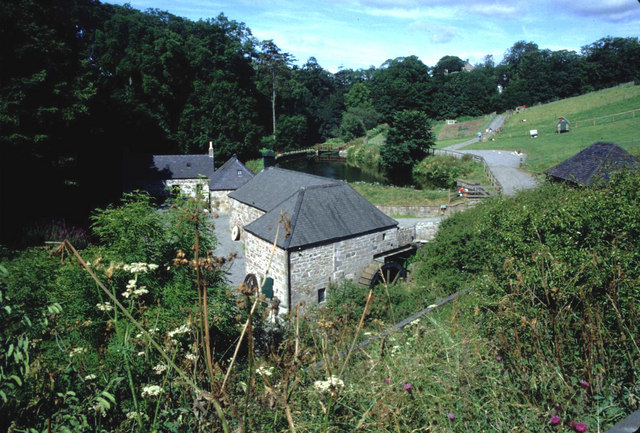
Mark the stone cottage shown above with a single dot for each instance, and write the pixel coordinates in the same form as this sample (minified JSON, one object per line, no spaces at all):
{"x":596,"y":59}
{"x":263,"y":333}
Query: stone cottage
{"x":158,"y":174}
{"x":328,"y":232}
{"x":231,"y":176}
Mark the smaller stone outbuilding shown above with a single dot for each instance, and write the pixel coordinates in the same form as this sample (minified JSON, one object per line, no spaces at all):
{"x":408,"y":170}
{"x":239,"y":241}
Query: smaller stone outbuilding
{"x":231,"y":176}
{"x":158,"y":174}
{"x":328,"y":232}
{"x":594,"y":164}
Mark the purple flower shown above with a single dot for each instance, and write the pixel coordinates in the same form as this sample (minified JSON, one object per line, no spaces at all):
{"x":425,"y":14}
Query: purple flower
{"x":580,"y":427}
{"x":584,"y":384}
{"x":572,"y":424}
{"x":387,"y":380}
{"x":555,"y":420}
{"x":498,"y":358}
{"x":407,"y":386}
{"x":452,"y":416}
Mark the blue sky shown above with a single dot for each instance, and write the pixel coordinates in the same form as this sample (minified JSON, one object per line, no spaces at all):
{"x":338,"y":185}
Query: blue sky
{"x":361,"y":33}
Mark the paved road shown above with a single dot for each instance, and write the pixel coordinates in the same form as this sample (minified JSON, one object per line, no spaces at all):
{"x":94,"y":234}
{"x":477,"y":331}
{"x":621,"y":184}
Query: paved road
{"x":235,"y":272}
{"x":504,"y":165}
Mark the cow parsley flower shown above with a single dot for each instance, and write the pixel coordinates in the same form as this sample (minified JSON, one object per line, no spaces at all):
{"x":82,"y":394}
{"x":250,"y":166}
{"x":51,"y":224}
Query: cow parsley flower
{"x":151,"y":391}
{"x":159,"y":369}
{"x":105,"y":307}
{"x":264,"y":371}
{"x":179,"y":330}
{"x":330,"y":384}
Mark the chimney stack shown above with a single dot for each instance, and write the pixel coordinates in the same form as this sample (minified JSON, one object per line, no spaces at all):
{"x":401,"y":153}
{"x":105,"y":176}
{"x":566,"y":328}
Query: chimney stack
{"x":211,"y":154}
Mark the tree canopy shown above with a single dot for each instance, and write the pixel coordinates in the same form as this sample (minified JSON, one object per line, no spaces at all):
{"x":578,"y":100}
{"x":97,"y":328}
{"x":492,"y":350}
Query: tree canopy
{"x":81,"y":81}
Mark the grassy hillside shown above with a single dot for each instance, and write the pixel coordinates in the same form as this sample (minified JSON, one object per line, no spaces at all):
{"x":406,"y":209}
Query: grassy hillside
{"x":464,"y":129}
{"x":608,"y":115}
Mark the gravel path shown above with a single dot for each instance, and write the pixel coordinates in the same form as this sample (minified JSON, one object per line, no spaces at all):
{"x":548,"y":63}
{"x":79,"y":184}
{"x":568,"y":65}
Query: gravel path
{"x":235,"y":272}
{"x":504,"y":165}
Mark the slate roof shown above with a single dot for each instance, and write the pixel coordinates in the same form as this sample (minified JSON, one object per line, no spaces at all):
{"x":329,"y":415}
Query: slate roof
{"x":595,"y":163}
{"x":273,"y":185}
{"x":169,"y":166}
{"x":144,"y":171}
{"x":320,"y":210}
{"x":231,"y":176}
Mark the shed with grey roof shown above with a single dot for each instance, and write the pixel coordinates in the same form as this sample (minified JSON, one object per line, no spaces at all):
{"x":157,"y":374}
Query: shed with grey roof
{"x":594,"y":164}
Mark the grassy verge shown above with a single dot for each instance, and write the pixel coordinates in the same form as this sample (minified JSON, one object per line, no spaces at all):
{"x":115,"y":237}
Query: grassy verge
{"x":400,"y":196}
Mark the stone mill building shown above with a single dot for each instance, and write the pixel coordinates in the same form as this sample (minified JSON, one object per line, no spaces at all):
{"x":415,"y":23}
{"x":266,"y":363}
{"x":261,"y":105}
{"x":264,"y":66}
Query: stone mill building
{"x":328,"y":232}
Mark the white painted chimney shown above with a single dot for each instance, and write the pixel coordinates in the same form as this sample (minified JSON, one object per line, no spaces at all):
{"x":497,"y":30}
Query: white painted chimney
{"x":211,"y":149}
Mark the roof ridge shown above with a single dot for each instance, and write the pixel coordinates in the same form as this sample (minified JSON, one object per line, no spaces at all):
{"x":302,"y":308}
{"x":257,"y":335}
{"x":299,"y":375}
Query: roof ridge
{"x":293,"y":220}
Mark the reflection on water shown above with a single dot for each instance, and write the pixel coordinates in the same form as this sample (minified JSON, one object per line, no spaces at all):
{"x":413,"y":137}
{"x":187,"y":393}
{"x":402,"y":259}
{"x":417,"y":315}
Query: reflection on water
{"x":334,"y":170}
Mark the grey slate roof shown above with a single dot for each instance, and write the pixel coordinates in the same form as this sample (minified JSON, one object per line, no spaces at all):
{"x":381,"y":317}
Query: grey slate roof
{"x":595,"y":163}
{"x":148,"y":172}
{"x":320,"y":210}
{"x":231,"y":176}
{"x":273,"y":185}
{"x":184,"y":166}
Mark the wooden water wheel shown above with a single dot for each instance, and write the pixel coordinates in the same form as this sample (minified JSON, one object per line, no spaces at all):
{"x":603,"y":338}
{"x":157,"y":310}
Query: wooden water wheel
{"x":378,"y":272}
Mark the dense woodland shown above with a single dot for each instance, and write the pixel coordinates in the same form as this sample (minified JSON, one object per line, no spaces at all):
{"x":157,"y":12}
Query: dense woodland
{"x":81,"y":80}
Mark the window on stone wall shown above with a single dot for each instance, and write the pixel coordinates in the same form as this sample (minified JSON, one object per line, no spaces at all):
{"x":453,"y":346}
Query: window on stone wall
{"x":322,"y":295}
{"x":239,"y":173}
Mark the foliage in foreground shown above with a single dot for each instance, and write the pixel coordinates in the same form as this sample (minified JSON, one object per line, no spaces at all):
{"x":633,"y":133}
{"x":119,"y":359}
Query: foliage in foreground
{"x":547,"y":341}
{"x":560,"y":280}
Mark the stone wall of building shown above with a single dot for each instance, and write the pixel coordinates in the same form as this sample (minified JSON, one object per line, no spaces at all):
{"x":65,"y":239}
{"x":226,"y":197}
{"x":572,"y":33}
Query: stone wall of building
{"x":241,"y":215}
{"x":189,"y":187}
{"x":257,"y":253}
{"x":317,"y":268}
{"x":220,"y":201}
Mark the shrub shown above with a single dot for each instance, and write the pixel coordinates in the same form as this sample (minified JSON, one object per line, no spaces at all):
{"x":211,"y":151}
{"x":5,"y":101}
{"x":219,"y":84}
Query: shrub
{"x":441,"y":171}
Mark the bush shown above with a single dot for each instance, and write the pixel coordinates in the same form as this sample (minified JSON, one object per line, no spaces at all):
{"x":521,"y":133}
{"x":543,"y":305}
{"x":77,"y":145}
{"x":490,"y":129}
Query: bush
{"x":441,"y":171}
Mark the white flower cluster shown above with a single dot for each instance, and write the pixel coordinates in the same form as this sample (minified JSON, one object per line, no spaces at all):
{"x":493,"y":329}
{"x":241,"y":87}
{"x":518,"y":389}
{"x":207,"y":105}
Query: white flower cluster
{"x":105,"y":307}
{"x":90,"y":377}
{"x":140,"y":267}
{"x":77,"y":351}
{"x":131,"y":290}
{"x":264,"y":371}
{"x":330,"y":384}
{"x":179,"y":330}
{"x":151,"y":390}
{"x":159,"y":369}
{"x":134,"y":415}
{"x":191,"y":357}
{"x":141,"y":291}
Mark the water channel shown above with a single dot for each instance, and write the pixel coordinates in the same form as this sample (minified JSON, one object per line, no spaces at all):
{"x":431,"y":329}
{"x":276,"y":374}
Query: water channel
{"x":333,"y":169}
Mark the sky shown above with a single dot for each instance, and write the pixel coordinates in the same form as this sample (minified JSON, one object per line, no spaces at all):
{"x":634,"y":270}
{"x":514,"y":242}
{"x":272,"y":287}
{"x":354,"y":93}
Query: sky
{"x":357,"y":34}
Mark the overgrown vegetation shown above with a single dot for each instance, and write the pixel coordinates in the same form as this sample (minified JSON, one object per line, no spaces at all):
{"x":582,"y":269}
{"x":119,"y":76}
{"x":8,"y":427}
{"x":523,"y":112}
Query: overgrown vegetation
{"x":545,"y":340}
{"x":443,"y":171}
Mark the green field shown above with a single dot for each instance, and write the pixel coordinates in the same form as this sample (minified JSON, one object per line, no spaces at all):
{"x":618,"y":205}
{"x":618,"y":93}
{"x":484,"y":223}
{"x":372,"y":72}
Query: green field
{"x":611,"y":115}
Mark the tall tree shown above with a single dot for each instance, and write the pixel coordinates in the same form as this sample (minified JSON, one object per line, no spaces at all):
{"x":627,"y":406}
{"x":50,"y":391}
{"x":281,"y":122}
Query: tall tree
{"x":408,"y":142}
{"x":275,"y":65}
